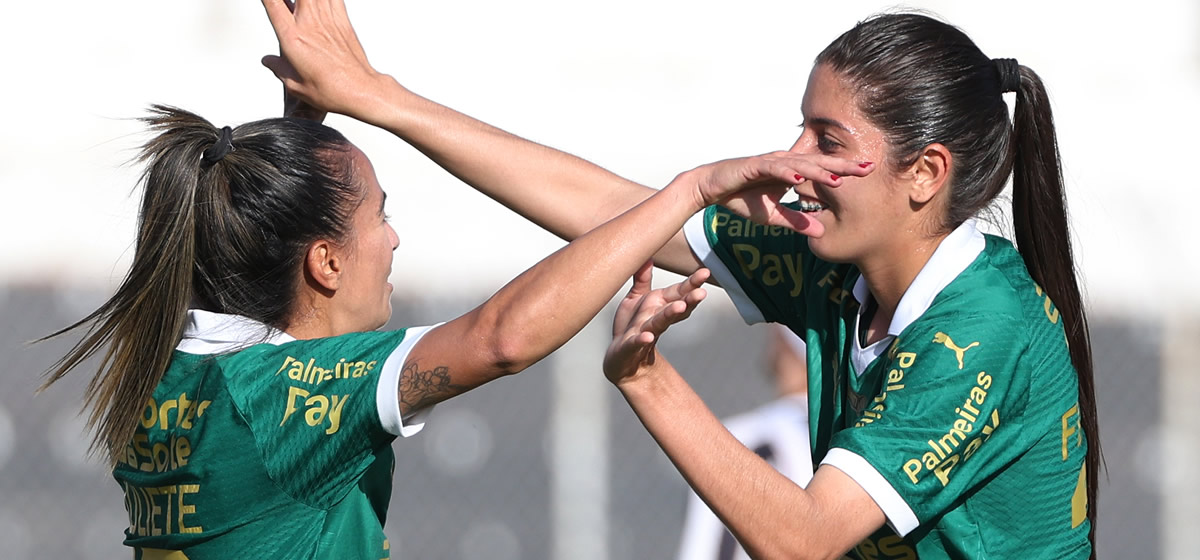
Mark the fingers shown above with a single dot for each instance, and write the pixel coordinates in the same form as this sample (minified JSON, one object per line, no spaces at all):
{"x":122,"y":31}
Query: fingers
{"x":280,"y":15}
{"x":795,"y":220}
{"x":681,"y":289}
{"x":827,"y":170}
{"x":673,"y":312}
{"x":628,"y":308}
{"x":642,"y":278}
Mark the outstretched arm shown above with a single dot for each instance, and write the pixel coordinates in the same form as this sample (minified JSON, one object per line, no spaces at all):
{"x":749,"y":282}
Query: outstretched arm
{"x":771,"y":516}
{"x":324,"y":63}
{"x":545,"y":306}
{"x":563,"y":194}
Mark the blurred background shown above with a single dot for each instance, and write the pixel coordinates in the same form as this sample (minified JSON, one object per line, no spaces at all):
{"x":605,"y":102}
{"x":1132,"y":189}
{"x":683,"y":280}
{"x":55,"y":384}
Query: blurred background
{"x":551,"y":463}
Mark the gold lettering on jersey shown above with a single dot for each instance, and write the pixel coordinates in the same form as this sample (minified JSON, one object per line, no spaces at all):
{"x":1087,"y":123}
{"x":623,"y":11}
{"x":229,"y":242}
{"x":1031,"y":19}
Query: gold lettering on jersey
{"x":159,"y":554}
{"x":746,"y":228}
{"x":160,"y":510}
{"x":833,"y":282}
{"x":317,"y":408}
{"x":311,"y":373}
{"x":1047,"y":305}
{"x":185,"y":412}
{"x":773,"y":269}
{"x":895,"y":382}
{"x":1079,"y":500}
{"x":163,"y":456}
{"x":945,"y":340}
{"x":891,"y":547}
{"x":1070,"y":427}
{"x":960,"y":441}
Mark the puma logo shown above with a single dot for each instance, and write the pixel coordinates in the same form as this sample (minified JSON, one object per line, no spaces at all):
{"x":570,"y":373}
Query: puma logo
{"x":945,"y":340}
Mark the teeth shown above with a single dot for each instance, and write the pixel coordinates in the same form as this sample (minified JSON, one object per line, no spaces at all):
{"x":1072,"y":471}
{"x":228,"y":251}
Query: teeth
{"x":808,"y":206}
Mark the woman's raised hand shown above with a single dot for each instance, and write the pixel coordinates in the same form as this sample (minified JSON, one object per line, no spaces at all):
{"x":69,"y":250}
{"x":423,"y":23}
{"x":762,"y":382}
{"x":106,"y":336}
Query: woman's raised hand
{"x":643,"y":315}
{"x":752,"y":187}
{"x":321,"y":60}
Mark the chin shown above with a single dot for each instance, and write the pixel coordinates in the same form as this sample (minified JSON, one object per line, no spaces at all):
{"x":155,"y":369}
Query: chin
{"x":385,"y":317}
{"x":826,"y":251}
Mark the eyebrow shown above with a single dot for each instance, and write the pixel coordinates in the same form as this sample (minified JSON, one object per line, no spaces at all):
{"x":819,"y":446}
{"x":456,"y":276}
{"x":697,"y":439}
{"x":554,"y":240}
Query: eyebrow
{"x":825,"y":122}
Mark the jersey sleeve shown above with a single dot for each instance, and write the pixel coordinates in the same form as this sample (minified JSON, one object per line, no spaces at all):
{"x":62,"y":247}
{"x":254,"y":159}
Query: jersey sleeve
{"x":948,"y":417}
{"x":768,"y":271}
{"x":319,"y":409}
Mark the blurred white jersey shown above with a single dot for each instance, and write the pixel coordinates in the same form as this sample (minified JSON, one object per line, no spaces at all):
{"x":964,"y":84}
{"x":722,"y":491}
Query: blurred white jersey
{"x":776,"y":431}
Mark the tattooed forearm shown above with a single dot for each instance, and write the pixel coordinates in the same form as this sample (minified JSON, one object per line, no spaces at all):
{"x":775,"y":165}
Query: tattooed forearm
{"x":419,"y":389}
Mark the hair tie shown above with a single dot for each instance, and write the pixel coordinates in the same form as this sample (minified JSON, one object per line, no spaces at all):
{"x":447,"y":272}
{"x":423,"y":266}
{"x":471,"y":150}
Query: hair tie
{"x":220,"y":148}
{"x":1010,"y":74}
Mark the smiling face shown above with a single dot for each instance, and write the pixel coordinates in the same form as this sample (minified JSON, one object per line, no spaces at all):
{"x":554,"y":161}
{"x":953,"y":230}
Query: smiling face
{"x":363,"y":293}
{"x":864,"y":214}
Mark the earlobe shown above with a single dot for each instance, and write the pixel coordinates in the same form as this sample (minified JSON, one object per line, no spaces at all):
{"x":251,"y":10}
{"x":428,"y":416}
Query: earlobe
{"x":323,"y":266}
{"x":930,"y":172}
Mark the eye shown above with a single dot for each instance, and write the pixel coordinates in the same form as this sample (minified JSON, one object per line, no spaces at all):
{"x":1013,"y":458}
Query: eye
{"x":827,"y":144}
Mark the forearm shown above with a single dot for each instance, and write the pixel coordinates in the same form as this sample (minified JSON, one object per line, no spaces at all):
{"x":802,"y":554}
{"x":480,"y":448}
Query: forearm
{"x":536,"y":181}
{"x":566,"y":195}
{"x":771,"y":516}
{"x":545,"y":306}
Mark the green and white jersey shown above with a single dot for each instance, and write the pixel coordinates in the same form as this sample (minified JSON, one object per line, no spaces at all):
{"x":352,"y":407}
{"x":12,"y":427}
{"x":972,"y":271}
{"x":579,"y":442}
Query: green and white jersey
{"x":962,"y":424}
{"x":257,"y":445}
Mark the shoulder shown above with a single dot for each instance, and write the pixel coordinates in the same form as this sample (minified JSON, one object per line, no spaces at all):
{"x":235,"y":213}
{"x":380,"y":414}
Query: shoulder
{"x":349,"y":355}
{"x":995,"y":292}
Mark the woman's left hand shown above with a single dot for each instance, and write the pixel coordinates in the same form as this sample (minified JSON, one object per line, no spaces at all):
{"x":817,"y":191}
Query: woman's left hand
{"x":642,"y":316}
{"x":321,"y":60}
{"x":752,"y":187}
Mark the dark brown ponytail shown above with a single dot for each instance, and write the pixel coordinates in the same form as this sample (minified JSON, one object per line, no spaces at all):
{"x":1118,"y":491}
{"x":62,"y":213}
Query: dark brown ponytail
{"x":225,"y":218}
{"x":1040,"y":225}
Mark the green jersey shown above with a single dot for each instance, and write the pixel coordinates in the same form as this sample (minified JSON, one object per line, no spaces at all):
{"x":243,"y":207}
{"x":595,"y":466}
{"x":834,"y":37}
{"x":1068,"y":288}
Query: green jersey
{"x":962,"y":424}
{"x":257,"y":445}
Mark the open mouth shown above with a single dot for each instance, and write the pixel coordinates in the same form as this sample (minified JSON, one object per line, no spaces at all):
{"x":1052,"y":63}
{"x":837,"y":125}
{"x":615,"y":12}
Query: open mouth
{"x":810,"y":206}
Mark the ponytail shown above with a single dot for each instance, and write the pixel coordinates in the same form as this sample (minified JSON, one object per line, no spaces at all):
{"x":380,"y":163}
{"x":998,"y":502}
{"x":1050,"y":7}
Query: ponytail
{"x":143,"y":322}
{"x":226,"y":218}
{"x":1039,"y":208}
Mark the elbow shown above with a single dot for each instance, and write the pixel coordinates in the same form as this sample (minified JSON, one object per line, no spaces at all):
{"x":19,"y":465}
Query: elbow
{"x":502,"y":349}
{"x":509,"y":355}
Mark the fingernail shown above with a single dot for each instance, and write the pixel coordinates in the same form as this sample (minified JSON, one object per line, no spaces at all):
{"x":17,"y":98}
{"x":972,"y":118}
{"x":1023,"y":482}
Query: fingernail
{"x":799,"y":178}
{"x":865,"y":164}
{"x":834,"y":177}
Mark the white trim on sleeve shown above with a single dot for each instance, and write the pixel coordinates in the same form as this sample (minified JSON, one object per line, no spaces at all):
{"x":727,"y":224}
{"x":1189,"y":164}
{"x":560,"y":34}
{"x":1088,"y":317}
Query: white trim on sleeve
{"x":387,"y":393}
{"x":900,"y":516}
{"x":694,"y":231}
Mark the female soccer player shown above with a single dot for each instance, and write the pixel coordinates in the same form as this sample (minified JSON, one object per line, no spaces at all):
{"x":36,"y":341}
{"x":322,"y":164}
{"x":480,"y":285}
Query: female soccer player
{"x":951,"y":394}
{"x":243,"y":396}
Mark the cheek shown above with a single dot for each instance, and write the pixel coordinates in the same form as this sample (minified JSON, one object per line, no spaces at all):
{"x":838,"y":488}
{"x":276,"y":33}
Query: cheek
{"x":874,"y":149}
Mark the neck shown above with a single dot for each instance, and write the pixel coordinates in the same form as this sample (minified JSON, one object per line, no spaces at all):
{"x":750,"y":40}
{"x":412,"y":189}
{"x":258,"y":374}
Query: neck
{"x":311,"y":319}
{"x":889,"y":275}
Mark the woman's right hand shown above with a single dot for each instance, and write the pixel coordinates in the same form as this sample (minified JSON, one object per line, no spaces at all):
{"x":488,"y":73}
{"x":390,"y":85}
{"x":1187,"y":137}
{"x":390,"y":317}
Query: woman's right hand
{"x":321,"y":60}
{"x":752,"y":187}
{"x":642,"y":317}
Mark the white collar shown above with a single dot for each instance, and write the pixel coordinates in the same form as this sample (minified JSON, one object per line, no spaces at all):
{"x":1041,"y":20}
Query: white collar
{"x":954,"y":254}
{"x":213,"y":333}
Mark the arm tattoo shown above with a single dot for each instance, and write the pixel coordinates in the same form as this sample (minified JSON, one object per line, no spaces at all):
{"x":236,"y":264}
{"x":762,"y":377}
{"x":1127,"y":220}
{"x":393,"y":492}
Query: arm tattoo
{"x":419,"y":389}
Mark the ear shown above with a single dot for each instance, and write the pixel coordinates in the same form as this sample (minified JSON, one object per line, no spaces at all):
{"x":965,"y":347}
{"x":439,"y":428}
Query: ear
{"x":930,"y":173}
{"x":323,"y":264}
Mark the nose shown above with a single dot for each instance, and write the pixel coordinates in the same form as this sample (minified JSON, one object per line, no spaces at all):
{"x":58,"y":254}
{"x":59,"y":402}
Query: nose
{"x":395,"y":239}
{"x":803,"y":145}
